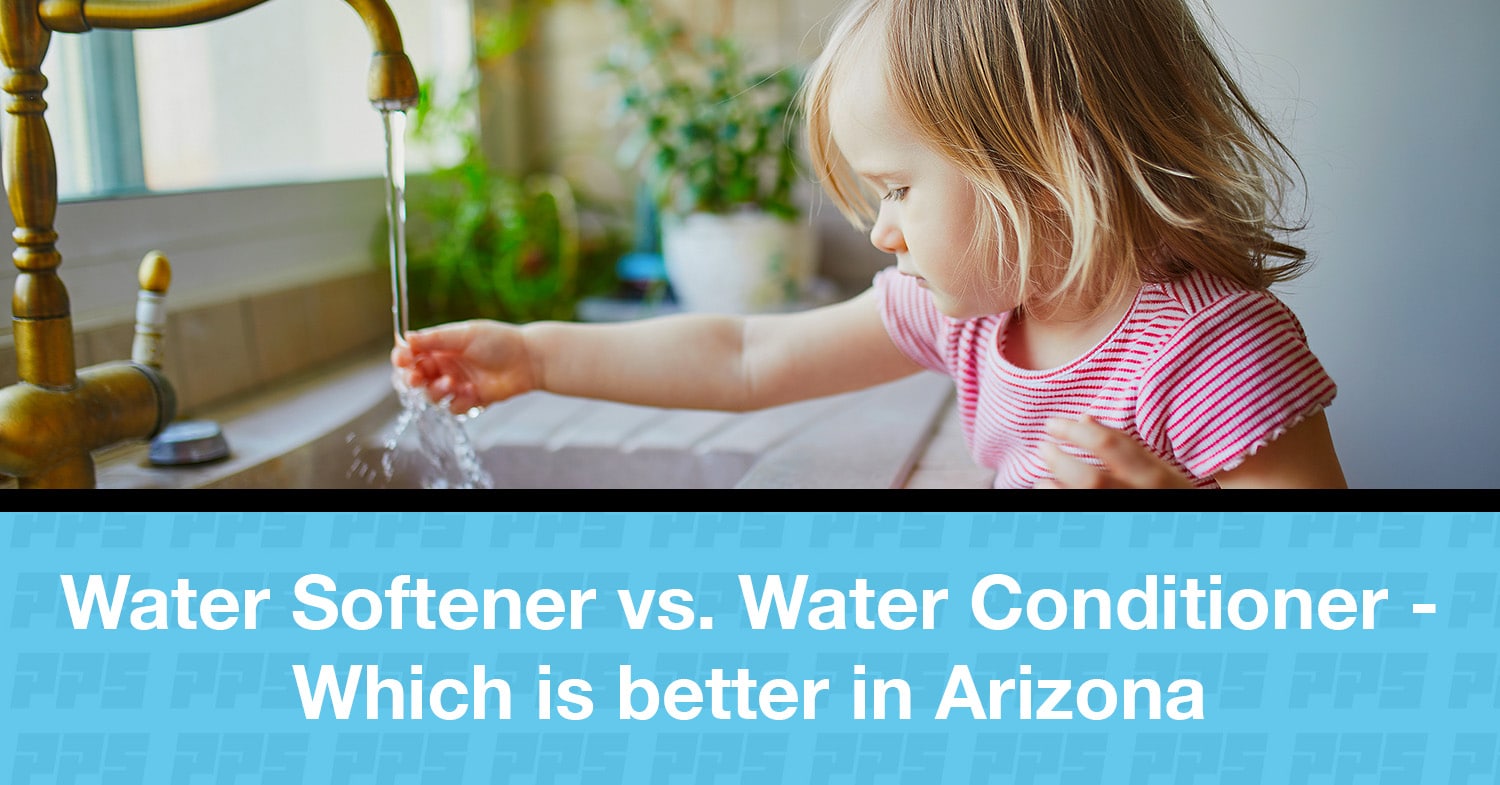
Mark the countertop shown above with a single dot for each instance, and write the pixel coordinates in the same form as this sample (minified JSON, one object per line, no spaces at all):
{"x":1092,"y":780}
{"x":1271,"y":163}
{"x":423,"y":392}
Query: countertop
{"x":333,"y":429}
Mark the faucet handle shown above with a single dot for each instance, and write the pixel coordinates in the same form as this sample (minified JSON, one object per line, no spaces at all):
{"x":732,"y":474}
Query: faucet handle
{"x":151,"y":310}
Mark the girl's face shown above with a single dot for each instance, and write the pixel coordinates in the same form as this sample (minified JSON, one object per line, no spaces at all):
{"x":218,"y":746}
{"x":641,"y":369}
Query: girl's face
{"x":927,"y":210}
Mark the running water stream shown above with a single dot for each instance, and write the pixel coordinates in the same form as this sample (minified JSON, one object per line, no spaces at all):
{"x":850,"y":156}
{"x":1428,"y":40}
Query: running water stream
{"x":441,"y":452}
{"x":395,"y":212}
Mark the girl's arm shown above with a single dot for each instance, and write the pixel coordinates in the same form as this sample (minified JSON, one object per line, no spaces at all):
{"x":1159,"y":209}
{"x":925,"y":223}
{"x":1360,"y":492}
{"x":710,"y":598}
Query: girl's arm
{"x":691,"y":361}
{"x":1303,"y":457}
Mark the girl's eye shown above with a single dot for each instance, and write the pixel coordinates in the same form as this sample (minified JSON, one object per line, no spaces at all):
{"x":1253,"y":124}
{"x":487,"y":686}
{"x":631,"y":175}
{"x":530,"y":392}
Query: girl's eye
{"x":896,"y":194}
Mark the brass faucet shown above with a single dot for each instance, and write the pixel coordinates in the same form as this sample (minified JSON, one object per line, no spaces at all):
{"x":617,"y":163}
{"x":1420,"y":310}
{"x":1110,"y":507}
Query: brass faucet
{"x":55,"y":416}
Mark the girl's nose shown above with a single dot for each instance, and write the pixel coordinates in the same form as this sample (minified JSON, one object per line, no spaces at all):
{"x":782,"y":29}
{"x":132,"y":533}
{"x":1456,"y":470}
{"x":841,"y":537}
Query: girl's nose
{"x":886,"y":236}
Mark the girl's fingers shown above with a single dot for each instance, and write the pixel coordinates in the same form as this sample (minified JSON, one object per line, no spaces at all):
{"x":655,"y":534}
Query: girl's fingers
{"x":1069,"y":472}
{"x":425,"y":342}
{"x":442,"y":338}
{"x":462,"y":404}
{"x":1128,"y":463}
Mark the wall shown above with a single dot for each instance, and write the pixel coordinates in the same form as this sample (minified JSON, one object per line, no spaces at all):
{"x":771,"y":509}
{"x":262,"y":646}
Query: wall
{"x":249,"y":341}
{"x":1394,"y":109}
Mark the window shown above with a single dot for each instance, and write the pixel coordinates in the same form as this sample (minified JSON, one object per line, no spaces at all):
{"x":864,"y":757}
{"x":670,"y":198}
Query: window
{"x":183,"y":122}
{"x":274,"y":94}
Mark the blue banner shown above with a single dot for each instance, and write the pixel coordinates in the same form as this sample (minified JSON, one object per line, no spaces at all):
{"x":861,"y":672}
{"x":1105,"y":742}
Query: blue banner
{"x":390,"y":648}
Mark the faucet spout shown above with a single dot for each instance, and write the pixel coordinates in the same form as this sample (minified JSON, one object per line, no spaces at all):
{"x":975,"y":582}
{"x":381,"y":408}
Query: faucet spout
{"x":392,"y":81}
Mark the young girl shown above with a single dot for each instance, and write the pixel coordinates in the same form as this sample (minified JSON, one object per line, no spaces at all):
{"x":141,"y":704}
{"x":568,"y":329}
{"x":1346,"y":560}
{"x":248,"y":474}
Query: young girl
{"x":1082,"y":208}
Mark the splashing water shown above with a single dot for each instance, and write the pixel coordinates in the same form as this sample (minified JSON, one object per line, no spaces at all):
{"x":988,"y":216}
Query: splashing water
{"x":441,"y":449}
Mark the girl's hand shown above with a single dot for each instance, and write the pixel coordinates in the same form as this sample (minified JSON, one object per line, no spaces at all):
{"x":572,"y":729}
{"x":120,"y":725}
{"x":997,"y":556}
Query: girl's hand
{"x":466,"y":364}
{"x":1127,"y":463}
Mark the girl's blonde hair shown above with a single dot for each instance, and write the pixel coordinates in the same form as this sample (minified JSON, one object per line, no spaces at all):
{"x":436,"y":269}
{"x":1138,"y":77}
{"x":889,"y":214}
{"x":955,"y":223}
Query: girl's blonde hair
{"x":1107,"y":128}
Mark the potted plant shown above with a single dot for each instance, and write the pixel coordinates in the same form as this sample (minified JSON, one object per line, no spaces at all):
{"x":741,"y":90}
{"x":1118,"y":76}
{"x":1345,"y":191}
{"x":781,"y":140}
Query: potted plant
{"x":488,"y":243}
{"x":713,"y":141}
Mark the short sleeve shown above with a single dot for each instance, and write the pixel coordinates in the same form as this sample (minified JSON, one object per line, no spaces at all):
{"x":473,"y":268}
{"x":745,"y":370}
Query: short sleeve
{"x":915,"y":325}
{"x":1235,"y":377}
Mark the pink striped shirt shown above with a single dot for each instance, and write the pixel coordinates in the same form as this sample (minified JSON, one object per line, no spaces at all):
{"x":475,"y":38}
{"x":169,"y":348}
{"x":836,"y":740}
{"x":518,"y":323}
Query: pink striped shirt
{"x":1201,"y":371}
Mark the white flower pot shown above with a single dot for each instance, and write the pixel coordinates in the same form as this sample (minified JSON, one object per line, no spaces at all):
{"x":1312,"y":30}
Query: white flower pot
{"x":747,"y":262}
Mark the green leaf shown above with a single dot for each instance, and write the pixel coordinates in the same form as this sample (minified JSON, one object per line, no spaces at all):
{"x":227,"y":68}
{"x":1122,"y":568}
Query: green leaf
{"x":715,"y":131}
